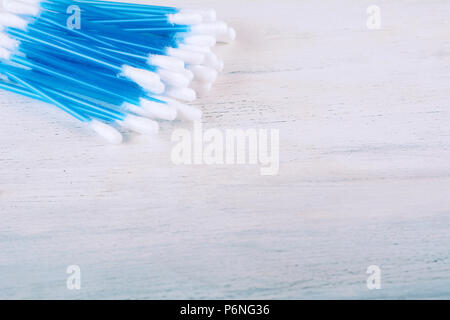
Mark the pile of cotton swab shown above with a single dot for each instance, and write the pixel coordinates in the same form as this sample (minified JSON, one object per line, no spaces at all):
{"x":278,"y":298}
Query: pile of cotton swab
{"x":111,"y":64}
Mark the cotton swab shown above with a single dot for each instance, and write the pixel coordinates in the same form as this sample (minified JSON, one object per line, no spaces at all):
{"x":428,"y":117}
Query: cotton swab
{"x":129,"y":65}
{"x":58,"y":14}
{"x":138,"y":103}
{"x":170,"y":77}
{"x":219,"y":66}
{"x":128,"y":62}
{"x":138,"y":124}
{"x":106,"y":131}
{"x":19,"y":28}
{"x":143,"y":104}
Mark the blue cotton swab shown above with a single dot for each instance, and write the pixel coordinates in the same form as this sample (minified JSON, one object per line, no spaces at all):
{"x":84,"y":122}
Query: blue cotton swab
{"x":131,"y":67}
{"x":126,"y":60}
{"x":131,"y":122}
{"x":17,"y":27}
{"x":36,"y":11}
{"x":153,"y":17}
{"x":106,"y":131}
{"x":139,"y":103}
{"x":213,"y":62}
{"x":149,"y":108}
{"x":209,"y":26}
{"x":191,"y":53}
{"x":204,"y":74}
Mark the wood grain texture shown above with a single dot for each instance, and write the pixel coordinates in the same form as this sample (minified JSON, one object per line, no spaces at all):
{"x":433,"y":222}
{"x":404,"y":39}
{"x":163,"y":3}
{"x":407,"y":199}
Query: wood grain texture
{"x":364,"y":175}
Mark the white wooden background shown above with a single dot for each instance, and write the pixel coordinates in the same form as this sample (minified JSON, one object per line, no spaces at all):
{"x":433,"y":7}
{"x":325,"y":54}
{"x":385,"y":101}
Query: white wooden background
{"x":364,"y":176}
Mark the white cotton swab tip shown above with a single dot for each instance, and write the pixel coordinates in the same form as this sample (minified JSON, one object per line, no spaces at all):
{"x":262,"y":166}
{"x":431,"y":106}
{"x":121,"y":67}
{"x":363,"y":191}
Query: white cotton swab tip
{"x":20,"y":7}
{"x":212,"y":61}
{"x":208,"y":15}
{"x":188,"y":57}
{"x":37,"y":2}
{"x":200,"y":40}
{"x":174,"y":78}
{"x":155,"y":110}
{"x":188,"y":74}
{"x":166,"y":62}
{"x":8,"y":19}
{"x":8,"y":42}
{"x":200,"y":49}
{"x":140,"y":125}
{"x":227,"y":37}
{"x":184,"y":18}
{"x":189,"y":112}
{"x":211,"y":28}
{"x":4,"y":54}
{"x":108,"y":132}
{"x":184,"y":111}
{"x":201,"y":88}
{"x":203,"y":74}
{"x":182,"y":94}
{"x":145,"y":78}
{"x":159,"y":111}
